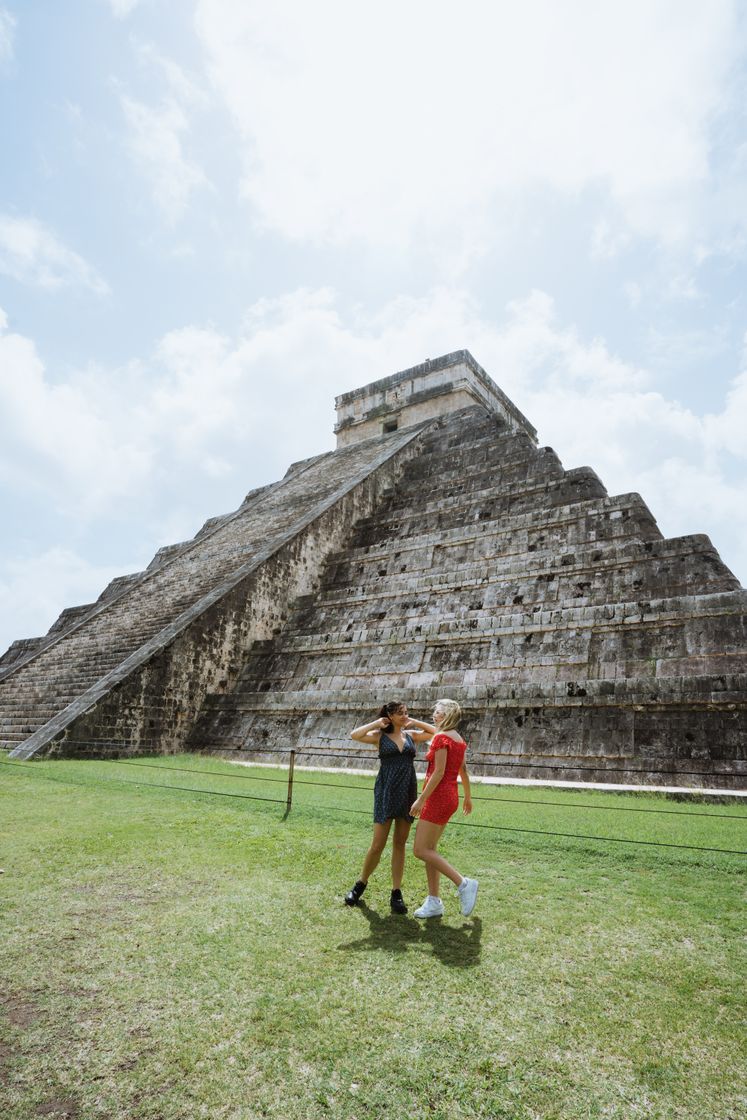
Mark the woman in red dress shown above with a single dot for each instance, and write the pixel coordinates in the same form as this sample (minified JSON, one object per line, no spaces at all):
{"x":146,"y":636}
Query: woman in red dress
{"x":437,"y":804}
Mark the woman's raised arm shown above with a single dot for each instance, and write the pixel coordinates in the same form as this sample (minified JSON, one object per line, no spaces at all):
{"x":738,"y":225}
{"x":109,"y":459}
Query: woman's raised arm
{"x":369,"y":732}
{"x":427,"y":730}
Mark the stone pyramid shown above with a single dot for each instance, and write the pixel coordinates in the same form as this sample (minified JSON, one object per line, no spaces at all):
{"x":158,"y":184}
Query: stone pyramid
{"x":438,"y":551}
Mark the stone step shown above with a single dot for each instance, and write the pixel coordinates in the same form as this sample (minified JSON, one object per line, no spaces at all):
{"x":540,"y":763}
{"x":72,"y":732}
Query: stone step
{"x":409,"y":669}
{"x":454,"y":630}
{"x":464,"y":471}
{"x":27,"y":708}
{"x":727,"y":689}
{"x":588,"y":520}
{"x":467,"y":557}
{"x":487,"y":502}
{"x":670,"y":568}
{"x":496,"y":538}
{"x":420,"y":625}
{"x":452,"y":481}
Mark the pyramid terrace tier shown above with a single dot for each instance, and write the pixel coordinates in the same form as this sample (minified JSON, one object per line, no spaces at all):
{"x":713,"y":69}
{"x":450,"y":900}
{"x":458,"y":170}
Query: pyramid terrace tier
{"x":634,"y":639}
{"x":473,"y":599}
{"x":620,"y":518}
{"x":676,"y":735}
{"x":453,"y":666}
{"x":604,"y":572}
{"x":431,"y":511}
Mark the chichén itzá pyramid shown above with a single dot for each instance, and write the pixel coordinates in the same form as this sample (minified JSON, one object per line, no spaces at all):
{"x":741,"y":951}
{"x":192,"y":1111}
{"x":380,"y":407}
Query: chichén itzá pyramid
{"x":437,"y":551}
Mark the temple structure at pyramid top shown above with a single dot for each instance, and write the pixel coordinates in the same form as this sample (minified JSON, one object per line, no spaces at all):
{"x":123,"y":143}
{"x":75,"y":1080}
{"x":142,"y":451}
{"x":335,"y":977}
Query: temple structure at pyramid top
{"x":438,"y":551}
{"x":434,"y":388}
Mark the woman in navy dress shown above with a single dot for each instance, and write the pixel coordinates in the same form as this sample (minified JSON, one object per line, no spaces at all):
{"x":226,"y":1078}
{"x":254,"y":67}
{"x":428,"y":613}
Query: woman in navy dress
{"x":395,"y":735}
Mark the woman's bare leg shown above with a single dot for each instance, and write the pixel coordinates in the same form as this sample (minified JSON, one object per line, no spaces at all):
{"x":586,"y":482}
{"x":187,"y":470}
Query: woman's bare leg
{"x":373,"y":855}
{"x":434,"y":880}
{"x":427,"y":836}
{"x":399,"y":844}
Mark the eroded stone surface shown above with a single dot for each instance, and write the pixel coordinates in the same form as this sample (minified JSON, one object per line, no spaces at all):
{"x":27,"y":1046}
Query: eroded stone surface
{"x":572,"y":631}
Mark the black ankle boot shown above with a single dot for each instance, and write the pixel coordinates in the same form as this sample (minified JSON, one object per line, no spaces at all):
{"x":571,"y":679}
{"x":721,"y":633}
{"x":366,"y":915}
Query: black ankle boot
{"x":397,"y":902}
{"x":351,"y":898}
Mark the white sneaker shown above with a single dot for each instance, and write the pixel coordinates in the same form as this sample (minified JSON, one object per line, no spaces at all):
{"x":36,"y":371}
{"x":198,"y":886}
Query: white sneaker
{"x":431,"y":908}
{"x":468,"y":896}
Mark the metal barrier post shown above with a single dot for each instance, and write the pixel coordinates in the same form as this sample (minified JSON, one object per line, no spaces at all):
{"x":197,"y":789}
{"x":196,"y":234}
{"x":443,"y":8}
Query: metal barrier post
{"x":291,"y":768}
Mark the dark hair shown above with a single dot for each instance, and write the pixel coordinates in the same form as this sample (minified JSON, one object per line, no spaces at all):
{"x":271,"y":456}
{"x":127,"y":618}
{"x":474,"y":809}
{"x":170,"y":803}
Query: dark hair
{"x":388,"y":710}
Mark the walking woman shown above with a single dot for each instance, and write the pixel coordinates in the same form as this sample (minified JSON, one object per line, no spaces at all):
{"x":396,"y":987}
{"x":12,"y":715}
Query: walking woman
{"x":436,"y":806}
{"x":395,"y":735}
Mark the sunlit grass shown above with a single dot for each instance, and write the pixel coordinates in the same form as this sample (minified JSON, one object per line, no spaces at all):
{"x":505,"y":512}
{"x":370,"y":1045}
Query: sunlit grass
{"x":172,"y":954}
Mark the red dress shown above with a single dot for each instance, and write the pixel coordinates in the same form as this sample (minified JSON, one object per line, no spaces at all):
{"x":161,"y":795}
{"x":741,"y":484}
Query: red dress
{"x":444,"y":801}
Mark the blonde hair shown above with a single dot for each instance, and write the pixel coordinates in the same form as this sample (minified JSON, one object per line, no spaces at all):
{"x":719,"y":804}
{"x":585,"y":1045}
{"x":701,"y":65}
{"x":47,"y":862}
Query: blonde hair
{"x":452,"y":714}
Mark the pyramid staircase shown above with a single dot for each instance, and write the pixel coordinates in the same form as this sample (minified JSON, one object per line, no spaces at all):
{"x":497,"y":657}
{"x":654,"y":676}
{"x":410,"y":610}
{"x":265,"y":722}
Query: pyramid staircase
{"x":130,"y":672}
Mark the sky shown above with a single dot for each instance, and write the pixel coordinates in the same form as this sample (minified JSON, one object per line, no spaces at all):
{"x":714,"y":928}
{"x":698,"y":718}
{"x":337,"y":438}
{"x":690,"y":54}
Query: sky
{"x":216,"y":215}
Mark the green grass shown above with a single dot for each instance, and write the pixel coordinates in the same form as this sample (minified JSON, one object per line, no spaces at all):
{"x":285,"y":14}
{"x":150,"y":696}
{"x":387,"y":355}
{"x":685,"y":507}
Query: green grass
{"x":168,"y":954}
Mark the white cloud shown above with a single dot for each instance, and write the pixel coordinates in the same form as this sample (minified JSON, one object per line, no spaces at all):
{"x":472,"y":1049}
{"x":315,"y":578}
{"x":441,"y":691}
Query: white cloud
{"x":430,"y":119}
{"x":184,"y":88}
{"x":155,"y":144}
{"x":156,"y":135}
{"x":123,"y":8}
{"x":67,"y":439}
{"x":33,"y":254}
{"x":608,"y":241}
{"x":726,"y":431}
{"x":34,"y":589}
{"x":7,"y":37}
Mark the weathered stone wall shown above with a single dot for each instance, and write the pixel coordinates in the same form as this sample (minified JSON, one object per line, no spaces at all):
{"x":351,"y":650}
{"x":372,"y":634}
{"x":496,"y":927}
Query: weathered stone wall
{"x":573,"y":633}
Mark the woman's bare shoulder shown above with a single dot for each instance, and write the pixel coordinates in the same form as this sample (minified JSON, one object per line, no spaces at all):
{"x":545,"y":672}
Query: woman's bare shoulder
{"x":453,"y":737}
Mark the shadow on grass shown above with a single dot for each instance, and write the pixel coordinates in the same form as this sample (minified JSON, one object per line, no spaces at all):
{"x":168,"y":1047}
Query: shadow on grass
{"x":458,"y":947}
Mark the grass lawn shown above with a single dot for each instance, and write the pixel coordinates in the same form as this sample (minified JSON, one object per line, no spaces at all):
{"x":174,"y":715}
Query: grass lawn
{"x":168,"y":955}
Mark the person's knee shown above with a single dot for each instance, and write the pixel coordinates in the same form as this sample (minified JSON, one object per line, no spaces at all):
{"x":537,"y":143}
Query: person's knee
{"x":377,"y":847}
{"x":420,"y":850}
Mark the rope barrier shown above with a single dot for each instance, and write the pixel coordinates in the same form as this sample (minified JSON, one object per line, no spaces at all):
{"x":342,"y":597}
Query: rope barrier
{"x":147,"y":785}
{"x":185,"y":770}
{"x":476,"y":797}
{"x":362,"y":812}
{"x":566,"y":835}
{"x":477,"y":758}
{"x":616,"y":808}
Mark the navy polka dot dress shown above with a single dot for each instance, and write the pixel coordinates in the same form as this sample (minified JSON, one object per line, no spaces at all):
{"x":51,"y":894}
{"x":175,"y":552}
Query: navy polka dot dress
{"x":396,"y":785}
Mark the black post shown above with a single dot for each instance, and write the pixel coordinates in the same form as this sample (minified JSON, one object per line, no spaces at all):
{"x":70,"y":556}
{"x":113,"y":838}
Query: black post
{"x":291,"y":767}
